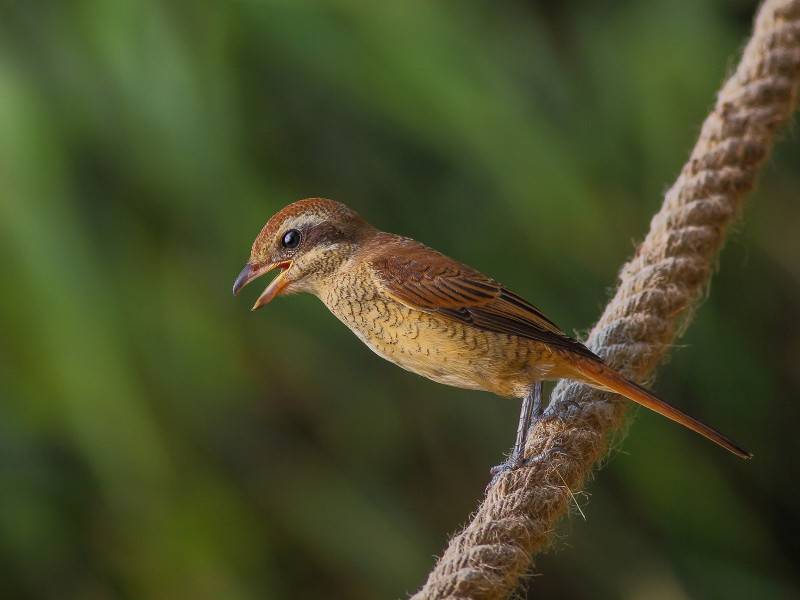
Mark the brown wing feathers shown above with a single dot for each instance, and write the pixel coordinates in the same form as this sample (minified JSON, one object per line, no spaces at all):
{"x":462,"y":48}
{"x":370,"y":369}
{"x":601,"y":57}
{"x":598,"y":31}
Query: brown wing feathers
{"x":427,"y":280}
{"x":424,"y":279}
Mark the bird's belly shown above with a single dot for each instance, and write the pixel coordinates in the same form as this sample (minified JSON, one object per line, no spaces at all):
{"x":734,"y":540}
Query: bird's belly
{"x":444,"y":350}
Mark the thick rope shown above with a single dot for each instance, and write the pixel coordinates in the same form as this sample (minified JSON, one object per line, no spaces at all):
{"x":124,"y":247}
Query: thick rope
{"x":658,"y":289}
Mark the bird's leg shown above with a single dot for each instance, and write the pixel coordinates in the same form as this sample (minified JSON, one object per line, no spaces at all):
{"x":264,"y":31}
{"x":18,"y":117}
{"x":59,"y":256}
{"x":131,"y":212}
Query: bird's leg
{"x":530,"y":412}
{"x":538,"y":409}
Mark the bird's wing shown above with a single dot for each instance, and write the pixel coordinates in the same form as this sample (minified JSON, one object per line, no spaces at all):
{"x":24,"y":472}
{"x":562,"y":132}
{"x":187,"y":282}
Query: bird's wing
{"x":424,"y":279}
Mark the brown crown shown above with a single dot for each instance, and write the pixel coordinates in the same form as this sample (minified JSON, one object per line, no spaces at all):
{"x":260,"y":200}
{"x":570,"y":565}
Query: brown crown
{"x":324,"y":209}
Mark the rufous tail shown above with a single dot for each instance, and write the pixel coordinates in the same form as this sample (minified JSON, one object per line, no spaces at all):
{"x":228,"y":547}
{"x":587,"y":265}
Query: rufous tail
{"x":601,"y":376}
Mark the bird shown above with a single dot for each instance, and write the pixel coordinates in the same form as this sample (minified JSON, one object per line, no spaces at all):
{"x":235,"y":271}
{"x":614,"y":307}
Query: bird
{"x":432,"y":315}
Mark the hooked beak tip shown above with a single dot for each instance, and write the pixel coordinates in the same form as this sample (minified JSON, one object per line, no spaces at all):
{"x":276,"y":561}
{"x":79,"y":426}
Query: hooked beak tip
{"x":251,"y":272}
{"x":245,"y":277}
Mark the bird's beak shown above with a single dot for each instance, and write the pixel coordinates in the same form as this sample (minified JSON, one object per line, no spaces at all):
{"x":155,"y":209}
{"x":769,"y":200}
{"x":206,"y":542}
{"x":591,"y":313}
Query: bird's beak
{"x":252,"y":272}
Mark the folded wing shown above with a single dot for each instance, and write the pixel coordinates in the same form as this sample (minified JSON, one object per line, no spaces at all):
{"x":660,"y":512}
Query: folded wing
{"x":426,"y":280}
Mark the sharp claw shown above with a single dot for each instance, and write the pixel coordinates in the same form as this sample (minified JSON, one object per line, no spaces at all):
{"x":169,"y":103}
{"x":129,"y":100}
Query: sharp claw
{"x":513,"y":463}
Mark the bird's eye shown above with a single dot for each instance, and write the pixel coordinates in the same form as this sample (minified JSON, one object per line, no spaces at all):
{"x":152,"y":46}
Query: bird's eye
{"x":291,"y":239}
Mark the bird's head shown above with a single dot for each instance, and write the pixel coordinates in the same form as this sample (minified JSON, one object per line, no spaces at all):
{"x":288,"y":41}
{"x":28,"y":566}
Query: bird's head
{"x":307,"y":240}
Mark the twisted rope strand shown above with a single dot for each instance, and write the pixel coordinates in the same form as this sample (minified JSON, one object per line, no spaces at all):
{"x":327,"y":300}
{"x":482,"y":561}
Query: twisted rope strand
{"x":657,"y":292}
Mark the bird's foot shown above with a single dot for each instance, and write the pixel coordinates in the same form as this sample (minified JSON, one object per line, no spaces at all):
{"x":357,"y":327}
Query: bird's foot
{"x":530,"y":413}
{"x":512,"y":463}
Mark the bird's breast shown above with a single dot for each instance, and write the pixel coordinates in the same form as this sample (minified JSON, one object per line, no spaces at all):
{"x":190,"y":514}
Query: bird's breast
{"x":432,"y":345}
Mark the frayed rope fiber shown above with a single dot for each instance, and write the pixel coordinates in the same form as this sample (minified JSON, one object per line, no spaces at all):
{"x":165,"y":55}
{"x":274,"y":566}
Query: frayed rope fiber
{"x":658,"y":289}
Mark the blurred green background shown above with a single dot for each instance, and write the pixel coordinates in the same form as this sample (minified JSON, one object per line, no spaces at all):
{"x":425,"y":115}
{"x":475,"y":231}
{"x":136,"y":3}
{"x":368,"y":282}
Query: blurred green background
{"x":159,"y":441}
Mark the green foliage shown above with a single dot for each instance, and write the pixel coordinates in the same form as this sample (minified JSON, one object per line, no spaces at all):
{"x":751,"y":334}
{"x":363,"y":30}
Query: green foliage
{"x":157,"y":440}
